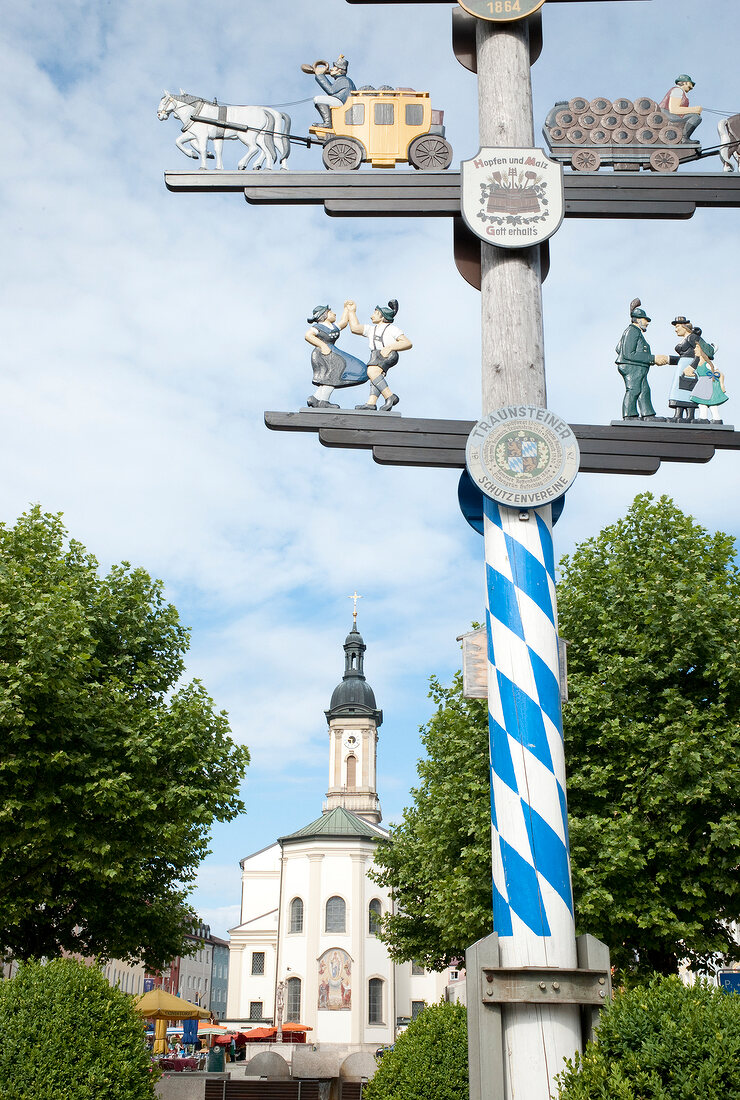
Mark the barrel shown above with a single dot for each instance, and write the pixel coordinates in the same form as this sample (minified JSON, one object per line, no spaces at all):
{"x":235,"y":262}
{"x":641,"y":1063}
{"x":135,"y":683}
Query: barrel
{"x":646,"y":136}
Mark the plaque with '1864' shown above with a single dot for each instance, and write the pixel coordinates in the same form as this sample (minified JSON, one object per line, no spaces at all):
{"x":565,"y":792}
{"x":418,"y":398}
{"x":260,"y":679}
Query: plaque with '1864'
{"x":501,"y":11}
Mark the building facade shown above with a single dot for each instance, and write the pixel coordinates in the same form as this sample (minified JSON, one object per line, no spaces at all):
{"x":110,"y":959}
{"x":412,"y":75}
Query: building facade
{"x":309,"y":911}
{"x":219,"y":976}
{"x":194,"y":982}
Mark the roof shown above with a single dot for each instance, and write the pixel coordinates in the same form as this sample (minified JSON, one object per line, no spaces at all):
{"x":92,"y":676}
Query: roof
{"x":339,"y":824}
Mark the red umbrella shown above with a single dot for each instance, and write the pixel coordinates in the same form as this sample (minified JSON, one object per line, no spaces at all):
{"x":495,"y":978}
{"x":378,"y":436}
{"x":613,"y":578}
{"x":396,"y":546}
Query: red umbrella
{"x":241,"y":1037}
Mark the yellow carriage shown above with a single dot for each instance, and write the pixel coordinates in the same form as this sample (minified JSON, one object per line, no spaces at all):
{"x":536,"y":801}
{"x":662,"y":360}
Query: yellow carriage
{"x":385,"y":127}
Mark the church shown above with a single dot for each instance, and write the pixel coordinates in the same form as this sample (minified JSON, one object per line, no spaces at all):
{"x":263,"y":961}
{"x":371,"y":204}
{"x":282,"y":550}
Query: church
{"x":309,"y":911}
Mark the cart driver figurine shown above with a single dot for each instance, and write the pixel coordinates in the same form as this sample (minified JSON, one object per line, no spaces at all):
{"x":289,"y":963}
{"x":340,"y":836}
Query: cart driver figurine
{"x":675,"y":103}
{"x":634,"y":359}
{"x":333,"y":80}
{"x":386,"y":340}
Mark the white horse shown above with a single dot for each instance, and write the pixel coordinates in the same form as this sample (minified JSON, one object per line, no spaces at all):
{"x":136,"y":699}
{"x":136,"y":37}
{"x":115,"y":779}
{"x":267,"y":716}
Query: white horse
{"x":266,"y":136}
{"x":729,"y":136}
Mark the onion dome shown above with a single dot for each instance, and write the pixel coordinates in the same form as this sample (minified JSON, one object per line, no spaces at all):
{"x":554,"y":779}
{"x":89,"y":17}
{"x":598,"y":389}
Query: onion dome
{"x":354,"y":696}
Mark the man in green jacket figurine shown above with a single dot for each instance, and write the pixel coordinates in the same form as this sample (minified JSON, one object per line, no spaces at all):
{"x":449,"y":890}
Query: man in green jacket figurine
{"x":634,"y":359}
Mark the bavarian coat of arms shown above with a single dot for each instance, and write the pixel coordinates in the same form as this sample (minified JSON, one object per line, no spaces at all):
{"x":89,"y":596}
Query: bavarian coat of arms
{"x":512,"y":198}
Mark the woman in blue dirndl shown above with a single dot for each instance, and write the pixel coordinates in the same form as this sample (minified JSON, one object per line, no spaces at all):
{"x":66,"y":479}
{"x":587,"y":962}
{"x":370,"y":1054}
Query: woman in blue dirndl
{"x":709,"y":392}
{"x":332,"y":368}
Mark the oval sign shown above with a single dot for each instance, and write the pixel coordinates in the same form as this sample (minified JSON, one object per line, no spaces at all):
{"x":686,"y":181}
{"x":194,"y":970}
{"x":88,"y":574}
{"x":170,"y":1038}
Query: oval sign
{"x":522,"y":456}
{"x":501,"y":11}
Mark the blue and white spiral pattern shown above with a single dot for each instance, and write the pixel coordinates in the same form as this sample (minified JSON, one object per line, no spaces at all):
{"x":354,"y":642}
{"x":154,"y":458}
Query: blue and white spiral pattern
{"x":532,"y":897}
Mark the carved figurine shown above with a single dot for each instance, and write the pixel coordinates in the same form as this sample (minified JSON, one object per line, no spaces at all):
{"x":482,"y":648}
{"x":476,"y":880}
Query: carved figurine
{"x":263,"y":130}
{"x":709,"y":392}
{"x":729,"y":141}
{"x":334,"y":82}
{"x":675,"y":104}
{"x":628,"y":134}
{"x":386,"y":340}
{"x":634,"y":359}
{"x":684,"y":379}
{"x":331,"y":367}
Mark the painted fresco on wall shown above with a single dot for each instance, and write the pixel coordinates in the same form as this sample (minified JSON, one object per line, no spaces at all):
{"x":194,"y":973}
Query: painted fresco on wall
{"x":335,"y":980}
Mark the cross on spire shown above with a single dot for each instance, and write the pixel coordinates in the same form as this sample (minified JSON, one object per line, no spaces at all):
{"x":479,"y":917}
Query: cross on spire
{"x":354,"y":597}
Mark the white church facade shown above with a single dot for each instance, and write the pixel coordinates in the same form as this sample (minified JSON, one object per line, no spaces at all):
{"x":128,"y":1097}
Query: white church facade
{"x":309,"y":909}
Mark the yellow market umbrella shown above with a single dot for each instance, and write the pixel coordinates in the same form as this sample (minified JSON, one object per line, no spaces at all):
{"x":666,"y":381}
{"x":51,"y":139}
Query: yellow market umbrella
{"x":160,"y":1036}
{"x":159,"y":1005}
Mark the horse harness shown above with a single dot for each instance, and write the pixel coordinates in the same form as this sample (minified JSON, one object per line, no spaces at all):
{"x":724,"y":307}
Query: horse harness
{"x":197,"y":105}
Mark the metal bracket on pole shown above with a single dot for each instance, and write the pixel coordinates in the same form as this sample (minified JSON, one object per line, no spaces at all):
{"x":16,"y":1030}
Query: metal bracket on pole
{"x":467,"y":254}
{"x":463,"y":38}
{"x":589,"y":986}
{"x":543,"y":985}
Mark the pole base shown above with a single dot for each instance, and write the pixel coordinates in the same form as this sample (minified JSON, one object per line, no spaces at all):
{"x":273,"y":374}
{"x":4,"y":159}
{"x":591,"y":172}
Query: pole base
{"x":490,"y":987}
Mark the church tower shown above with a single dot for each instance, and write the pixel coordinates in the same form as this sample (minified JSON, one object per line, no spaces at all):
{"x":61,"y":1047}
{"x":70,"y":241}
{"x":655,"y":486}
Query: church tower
{"x":353,"y":719}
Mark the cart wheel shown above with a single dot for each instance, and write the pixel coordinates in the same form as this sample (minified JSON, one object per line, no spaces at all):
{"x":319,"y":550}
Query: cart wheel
{"x":430,"y":153}
{"x":664,"y":160}
{"x":586,"y":160}
{"x":342,"y":154}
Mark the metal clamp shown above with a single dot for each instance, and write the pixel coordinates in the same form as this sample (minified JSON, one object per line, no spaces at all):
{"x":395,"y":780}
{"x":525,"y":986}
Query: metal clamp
{"x":544,"y":985}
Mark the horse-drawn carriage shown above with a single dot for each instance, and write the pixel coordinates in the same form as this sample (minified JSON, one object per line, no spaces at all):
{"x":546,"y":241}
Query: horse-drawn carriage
{"x":379,"y":126}
{"x":625,"y":134}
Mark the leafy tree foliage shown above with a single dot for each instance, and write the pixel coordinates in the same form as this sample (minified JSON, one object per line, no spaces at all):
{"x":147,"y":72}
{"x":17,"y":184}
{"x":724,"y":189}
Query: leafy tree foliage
{"x":429,"y":1059}
{"x":664,"y":1041}
{"x":651,"y":607}
{"x":439,"y":864}
{"x":110,"y":774}
{"x":67,"y":1033}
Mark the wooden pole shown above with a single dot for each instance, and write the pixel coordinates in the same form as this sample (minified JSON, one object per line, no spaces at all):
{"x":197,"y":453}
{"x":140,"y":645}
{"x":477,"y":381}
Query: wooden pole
{"x":511,"y":289}
{"x":533,"y":907}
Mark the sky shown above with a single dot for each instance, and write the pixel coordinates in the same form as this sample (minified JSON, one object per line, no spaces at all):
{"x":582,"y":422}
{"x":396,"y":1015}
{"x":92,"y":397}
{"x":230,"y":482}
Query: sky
{"x":145,"y":333}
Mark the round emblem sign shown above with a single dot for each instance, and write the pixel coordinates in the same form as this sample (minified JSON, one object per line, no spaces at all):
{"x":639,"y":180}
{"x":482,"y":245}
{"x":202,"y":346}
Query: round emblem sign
{"x":522,"y":456}
{"x":501,"y":11}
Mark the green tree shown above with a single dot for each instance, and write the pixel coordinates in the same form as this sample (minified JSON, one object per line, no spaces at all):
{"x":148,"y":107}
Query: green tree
{"x":110,"y":774}
{"x":67,"y":1033}
{"x":662,"y":1041}
{"x":439,"y":863}
{"x":651,"y":607}
{"x":429,"y":1059}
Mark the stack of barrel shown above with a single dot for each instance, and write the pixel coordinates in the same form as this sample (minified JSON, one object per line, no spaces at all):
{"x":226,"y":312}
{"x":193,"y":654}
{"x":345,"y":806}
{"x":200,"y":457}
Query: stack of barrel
{"x":606,"y":125}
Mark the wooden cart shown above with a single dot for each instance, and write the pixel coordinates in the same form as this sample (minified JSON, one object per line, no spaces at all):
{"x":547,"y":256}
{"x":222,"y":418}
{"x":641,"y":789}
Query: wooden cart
{"x":624,"y":134}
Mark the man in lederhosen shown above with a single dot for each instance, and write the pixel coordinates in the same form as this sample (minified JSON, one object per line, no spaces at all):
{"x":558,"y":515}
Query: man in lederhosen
{"x":386,"y":340}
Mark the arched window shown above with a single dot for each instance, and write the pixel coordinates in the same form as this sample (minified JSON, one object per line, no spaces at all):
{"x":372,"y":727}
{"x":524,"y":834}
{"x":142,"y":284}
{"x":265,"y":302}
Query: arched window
{"x":351,"y":771}
{"x":293,"y":1001}
{"x":374,"y":910}
{"x":296,"y":915}
{"x":375,"y":1001}
{"x":336,"y":915}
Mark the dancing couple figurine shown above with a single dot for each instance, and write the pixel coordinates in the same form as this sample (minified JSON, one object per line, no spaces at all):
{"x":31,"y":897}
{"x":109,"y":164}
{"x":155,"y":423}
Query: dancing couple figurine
{"x":334,"y":368}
